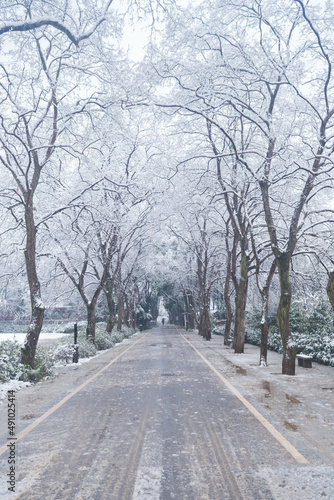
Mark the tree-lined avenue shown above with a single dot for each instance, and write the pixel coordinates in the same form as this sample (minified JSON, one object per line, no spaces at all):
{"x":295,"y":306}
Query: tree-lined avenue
{"x":148,"y":420}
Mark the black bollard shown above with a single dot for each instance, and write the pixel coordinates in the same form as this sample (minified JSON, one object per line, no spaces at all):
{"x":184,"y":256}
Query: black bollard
{"x":76,"y":347}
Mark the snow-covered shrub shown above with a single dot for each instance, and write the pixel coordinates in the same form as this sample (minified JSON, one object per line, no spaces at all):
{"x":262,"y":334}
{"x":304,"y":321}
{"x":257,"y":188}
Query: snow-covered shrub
{"x":86,"y":348}
{"x":100,"y":327}
{"x":11,"y":367}
{"x":60,"y":351}
{"x":274,"y":338}
{"x":104,"y":340}
{"x":219,"y":330}
{"x":117,"y":337}
{"x":320,"y":346}
{"x":312,"y":331}
{"x":253,"y":336}
{"x":143,"y":318}
{"x":127,"y":331}
{"x":43,"y":366}
{"x":64,"y":353}
{"x":298,"y":319}
{"x":320,"y":318}
{"x":12,"y":327}
{"x":69,"y":327}
{"x":10,"y":360}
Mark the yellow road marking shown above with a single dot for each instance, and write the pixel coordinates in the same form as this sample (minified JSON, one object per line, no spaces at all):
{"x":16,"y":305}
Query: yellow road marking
{"x":270,"y":428}
{"x":40,"y":419}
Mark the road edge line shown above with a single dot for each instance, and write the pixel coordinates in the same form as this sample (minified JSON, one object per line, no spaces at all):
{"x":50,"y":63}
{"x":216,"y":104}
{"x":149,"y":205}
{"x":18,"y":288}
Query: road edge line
{"x":40,"y":419}
{"x":298,"y":457}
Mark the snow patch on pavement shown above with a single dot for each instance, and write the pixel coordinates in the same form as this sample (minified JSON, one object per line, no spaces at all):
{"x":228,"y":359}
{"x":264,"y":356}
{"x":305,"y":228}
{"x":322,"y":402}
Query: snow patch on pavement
{"x":148,"y":483}
{"x":313,"y":481}
{"x":150,"y":471}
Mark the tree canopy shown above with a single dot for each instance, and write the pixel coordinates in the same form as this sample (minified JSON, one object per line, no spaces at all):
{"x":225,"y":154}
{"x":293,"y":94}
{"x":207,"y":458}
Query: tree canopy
{"x":198,"y":173}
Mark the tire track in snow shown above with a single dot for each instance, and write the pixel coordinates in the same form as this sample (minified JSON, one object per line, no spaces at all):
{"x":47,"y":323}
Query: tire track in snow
{"x":149,"y":473}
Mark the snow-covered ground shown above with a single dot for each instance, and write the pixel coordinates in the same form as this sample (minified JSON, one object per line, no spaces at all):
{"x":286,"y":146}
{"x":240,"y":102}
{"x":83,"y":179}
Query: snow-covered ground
{"x":21,"y":336}
{"x":16,"y":384}
{"x":48,"y":337}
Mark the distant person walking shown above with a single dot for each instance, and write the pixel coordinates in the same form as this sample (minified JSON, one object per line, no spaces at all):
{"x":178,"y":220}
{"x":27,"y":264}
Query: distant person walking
{"x":163,"y":321}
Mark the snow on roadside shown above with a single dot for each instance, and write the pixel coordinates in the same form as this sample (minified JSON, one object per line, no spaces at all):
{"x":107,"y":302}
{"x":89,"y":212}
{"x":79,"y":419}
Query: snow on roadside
{"x":81,"y":361}
{"x":12,"y":385}
{"x":16,"y":385}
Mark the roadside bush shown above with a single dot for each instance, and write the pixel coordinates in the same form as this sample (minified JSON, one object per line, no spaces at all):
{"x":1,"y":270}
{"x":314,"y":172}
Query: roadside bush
{"x":218,"y":330}
{"x":104,"y":340}
{"x":69,"y":328}
{"x":127,"y":331}
{"x":86,"y":348}
{"x":13,"y":327}
{"x":60,"y":351}
{"x":64,"y":353}
{"x":43,"y":366}
{"x":11,"y":367}
{"x":117,"y":337}
{"x":10,"y":360}
{"x":274,"y":338}
{"x":312,"y":331}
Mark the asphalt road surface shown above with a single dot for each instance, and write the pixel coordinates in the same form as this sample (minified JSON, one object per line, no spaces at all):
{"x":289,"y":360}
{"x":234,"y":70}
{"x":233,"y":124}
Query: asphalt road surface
{"x":149,"y":420}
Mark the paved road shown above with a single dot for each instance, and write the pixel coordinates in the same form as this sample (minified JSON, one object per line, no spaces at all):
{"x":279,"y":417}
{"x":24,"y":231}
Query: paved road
{"x":156,"y":424}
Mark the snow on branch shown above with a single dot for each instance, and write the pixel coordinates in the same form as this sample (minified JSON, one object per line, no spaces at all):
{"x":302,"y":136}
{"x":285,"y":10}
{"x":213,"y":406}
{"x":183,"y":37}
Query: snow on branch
{"x":37,"y":23}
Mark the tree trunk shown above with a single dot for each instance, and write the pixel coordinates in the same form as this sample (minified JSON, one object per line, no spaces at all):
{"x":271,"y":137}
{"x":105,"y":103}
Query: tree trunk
{"x":228,"y":324}
{"x":240,"y":306}
{"x":264,"y":343}
{"x":289,"y":346}
{"x":129,"y":316}
{"x":28,"y":350}
{"x":264,"y":318}
{"x":120,"y":312}
{"x":186,"y":302}
{"x":111,"y":304}
{"x":191,"y":310}
{"x":264,"y":327}
{"x":227,"y":301}
{"x":330,"y":288}
{"x":111,"y":317}
{"x":133,"y":315}
{"x":205,"y":323}
{"x":189,"y":302}
{"x":180,"y":314}
{"x":127,"y":312}
{"x":91,"y":322}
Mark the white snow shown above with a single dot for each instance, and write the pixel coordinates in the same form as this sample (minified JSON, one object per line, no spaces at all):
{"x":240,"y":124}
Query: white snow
{"x":150,"y":471}
{"x":12,"y":385}
{"x":21,"y":336}
{"x":16,"y":384}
